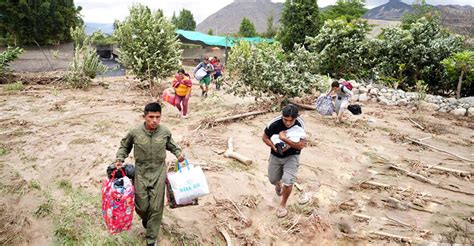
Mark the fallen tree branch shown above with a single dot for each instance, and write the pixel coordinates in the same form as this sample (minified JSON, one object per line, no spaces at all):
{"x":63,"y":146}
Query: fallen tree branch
{"x":239,"y":116}
{"x":415,"y":176}
{"x":229,"y":153}
{"x":392,"y":236}
{"x":439,"y":149}
{"x":429,"y":181}
{"x":244,"y":219}
{"x":303,"y":106}
{"x":367,"y":184}
{"x":450,"y":170}
{"x":362,"y":216}
{"x":226,"y":236}
{"x":416,"y":123}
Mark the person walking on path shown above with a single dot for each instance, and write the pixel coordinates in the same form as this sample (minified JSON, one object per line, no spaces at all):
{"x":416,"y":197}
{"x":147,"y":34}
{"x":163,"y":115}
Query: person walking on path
{"x":205,"y":80}
{"x":343,"y":98}
{"x":182,"y":85}
{"x":283,"y":166}
{"x":149,"y":140}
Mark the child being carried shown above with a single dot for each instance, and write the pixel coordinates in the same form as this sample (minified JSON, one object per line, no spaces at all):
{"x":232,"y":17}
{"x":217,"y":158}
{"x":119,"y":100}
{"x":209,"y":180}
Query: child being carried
{"x":295,"y":134}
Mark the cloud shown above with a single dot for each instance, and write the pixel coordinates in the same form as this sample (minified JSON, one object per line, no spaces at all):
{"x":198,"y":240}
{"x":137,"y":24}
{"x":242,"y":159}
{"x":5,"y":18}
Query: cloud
{"x":106,"y":11}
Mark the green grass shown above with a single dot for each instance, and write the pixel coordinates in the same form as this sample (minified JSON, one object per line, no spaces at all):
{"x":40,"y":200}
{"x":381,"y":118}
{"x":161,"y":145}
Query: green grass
{"x":82,"y":141}
{"x":4,"y":151}
{"x":78,"y":221}
{"x":18,"y":86}
{"x":34,"y":184}
{"x":45,"y":209}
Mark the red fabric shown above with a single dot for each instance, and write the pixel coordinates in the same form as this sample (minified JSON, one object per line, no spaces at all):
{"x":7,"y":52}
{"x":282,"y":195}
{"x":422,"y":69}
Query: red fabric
{"x":168,"y":96}
{"x":118,"y":205}
{"x":186,"y":81}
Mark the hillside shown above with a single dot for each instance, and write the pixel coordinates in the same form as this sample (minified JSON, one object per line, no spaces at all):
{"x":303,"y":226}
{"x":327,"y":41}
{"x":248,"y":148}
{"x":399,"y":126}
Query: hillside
{"x":393,"y":10}
{"x":227,"y":19}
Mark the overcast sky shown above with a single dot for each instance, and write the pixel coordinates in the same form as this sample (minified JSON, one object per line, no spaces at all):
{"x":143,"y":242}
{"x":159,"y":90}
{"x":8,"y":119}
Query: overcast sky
{"x":106,"y":11}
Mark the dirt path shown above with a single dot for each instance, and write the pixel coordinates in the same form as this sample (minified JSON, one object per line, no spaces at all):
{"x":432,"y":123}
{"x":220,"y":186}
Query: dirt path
{"x":55,"y":145}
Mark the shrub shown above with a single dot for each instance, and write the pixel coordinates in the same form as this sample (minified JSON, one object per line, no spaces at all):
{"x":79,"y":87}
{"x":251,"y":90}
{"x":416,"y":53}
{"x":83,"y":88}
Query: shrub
{"x":85,"y":64}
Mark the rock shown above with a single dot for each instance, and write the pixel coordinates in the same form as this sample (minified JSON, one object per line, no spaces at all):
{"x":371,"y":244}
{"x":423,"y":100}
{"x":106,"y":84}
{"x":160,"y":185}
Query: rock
{"x":384,"y":101}
{"x":354,"y":83}
{"x":443,"y":110}
{"x":369,"y":87}
{"x":459,"y":112}
{"x":363,"y":98}
{"x":355,"y":91}
{"x":470,"y":111}
{"x":374,"y":91}
{"x":452,"y":100}
{"x":402,"y":102}
{"x":374,"y":100}
{"x":466,"y":105}
{"x":426,"y":106}
{"x":469,"y":100}
{"x":383,"y":90}
{"x":362,"y":89}
{"x":355,"y":97}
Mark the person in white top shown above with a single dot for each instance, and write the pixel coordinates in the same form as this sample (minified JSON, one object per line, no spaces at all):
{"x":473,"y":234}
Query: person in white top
{"x":343,"y":98}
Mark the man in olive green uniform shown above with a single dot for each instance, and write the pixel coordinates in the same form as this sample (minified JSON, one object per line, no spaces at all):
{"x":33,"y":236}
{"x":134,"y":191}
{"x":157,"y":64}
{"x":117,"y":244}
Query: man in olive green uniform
{"x":150,"y":141}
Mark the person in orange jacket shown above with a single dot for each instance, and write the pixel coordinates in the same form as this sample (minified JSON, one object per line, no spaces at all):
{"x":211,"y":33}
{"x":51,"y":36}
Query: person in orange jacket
{"x":182,"y":85}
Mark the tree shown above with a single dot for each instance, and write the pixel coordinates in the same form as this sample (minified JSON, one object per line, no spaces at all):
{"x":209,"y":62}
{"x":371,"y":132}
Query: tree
{"x":41,"y":21}
{"x":247,"y":28}
{"x":299,"y":19}
{"x":340,"y":47}
{"x":420,"y":10}
{"x":418,"y":51}
{"x":271,"y":30}
{"x":174,"y":19}
{"x":265,"y":70}
{"x":461,"y":63}
{"x":209,"y":32}
{"x":346,"y":9}
{"x":148,"y":44}
{"x":186,"y":21}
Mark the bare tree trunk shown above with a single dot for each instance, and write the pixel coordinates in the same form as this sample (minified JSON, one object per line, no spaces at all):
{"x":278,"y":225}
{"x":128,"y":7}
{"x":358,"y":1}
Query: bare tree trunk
{"x":458,"y":90}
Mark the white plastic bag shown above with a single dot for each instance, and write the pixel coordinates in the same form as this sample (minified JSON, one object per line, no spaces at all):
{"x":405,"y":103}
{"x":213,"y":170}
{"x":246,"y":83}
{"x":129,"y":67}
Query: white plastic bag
{"x":188,"y":183}
{"x":200,"y":73}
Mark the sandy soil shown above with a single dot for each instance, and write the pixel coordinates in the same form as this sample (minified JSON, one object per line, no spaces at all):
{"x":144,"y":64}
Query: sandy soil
{"x":51,"y":135}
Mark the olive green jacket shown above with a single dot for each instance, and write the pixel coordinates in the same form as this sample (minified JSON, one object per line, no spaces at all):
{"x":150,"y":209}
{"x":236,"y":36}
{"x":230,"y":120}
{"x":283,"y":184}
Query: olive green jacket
{"x":149,"y":147}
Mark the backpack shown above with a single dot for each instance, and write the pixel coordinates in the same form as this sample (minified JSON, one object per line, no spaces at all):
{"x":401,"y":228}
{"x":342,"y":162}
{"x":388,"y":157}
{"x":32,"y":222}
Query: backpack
{"x":347,"y":84}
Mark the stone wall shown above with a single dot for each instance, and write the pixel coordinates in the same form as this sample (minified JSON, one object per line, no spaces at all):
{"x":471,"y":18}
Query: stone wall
{"x":389,"y":96}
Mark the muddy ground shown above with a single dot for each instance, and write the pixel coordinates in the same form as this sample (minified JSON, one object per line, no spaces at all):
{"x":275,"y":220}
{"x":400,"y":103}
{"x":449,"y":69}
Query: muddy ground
{"x":56,"y":143}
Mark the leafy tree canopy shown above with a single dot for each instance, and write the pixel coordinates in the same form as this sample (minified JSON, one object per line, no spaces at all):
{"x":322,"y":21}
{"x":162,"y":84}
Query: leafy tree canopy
{"x":347,"y":9}
{"x":148,"y":44}
{"x":185,"y":20}
{"x":299,"y":19}
{"x":247,"y":28}
{"x":43,"y":21}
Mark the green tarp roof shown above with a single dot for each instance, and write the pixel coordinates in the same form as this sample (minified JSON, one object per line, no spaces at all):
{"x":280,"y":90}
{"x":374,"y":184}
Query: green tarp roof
{"x":210,"y":40}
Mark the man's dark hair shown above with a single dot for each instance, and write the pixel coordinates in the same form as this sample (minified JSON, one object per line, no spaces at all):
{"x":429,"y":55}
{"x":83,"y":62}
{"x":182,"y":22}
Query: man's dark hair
{"x":290,"y":110}
{"x":181,"y":70}
{"x":152,"y":107}
{"x":335,"y":83}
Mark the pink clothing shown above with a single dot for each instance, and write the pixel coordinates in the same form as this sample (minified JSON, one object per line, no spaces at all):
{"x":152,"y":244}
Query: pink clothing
{"x":181,"y":103}
{"x":186,"y":81}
